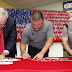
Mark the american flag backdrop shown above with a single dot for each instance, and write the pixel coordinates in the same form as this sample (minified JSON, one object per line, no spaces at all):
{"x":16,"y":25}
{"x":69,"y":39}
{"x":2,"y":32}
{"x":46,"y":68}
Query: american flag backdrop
{"x":57,"y":18}
{"x":22,"y":17}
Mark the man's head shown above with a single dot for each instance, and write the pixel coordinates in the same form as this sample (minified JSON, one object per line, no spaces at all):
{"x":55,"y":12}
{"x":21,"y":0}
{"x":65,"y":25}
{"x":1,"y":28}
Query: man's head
{"x":36,"y":20}
{"x":3,"y":17}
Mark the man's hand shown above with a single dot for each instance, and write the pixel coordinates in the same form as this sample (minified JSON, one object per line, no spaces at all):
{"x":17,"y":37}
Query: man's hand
{"x":38,"y":56}
{"x":2,"y":57}
{"x":66,"y":45}
{"x":25,"y":56}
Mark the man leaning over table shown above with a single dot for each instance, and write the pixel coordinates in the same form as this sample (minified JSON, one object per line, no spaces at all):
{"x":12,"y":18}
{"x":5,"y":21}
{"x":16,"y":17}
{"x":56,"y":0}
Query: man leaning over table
{"x":7,"y":35}
{"x":39,"y":35}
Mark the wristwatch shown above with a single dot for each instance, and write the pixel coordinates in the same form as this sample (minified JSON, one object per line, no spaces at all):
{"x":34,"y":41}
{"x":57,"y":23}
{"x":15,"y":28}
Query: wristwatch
{"x":3,"y":54}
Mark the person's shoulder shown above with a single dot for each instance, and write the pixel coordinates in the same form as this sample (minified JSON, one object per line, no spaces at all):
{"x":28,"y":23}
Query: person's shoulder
{"x":10,"y":19}
{"x":68,"y":24}
{"x":47,"y":23}
{"x":28,"y":27}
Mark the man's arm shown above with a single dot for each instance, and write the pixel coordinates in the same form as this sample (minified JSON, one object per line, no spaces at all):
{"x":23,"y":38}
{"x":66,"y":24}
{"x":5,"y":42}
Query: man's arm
{"x":47,"y":45}
{"x":65,"y":45}
{"x":22,"y":48}
{"x":65,"y":40}
{"x":11,"y":43}
{"x":23,"y":51}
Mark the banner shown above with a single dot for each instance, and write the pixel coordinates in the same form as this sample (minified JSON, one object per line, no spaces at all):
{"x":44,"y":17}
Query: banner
{"x":67,"y":6}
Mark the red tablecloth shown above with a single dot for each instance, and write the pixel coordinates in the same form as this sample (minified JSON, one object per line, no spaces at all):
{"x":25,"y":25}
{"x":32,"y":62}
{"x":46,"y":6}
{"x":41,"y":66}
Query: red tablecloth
{"x":46,"y":65}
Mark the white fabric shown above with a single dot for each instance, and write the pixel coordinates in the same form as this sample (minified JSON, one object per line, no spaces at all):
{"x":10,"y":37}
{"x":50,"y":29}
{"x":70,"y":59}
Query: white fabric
{"x":6,"y":51}
{"x":56,"y":50}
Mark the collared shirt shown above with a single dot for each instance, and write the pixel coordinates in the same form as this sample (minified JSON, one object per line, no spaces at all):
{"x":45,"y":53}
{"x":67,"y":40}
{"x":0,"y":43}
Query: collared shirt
{"x":68,"y":33}
{"x":37,"y":38}
{"x":6,"y":50}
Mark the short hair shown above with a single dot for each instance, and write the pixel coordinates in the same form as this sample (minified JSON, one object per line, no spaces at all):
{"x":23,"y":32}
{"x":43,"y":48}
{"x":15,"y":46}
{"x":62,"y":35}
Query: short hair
{"x":36,"y":15}
{"x":3,"y":12}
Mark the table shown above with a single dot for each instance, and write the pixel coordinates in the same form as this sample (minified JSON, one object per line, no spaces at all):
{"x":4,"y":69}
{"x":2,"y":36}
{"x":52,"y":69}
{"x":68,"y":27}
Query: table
{"x":48,"y":64}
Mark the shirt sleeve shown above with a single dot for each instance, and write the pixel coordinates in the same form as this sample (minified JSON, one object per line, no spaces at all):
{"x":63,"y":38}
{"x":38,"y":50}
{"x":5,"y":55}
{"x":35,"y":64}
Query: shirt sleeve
{"x":50,"y":31}
{"x":6,"y":51}
{"x":11,"y":35}
{"x":24,"y":36}
{"x":65,"y":32}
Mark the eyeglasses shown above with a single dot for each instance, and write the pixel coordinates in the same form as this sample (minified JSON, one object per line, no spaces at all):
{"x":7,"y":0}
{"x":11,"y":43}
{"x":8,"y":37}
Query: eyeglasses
{"x":2,"y":24}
